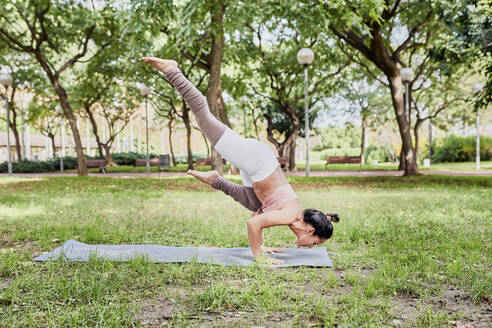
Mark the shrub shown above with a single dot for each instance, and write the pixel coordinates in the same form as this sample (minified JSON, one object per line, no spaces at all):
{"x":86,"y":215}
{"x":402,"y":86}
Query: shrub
{"x":28,"y":167}
{"x":461,"y":149}
{"x":129,"y":158}
{"x":376,"y":153}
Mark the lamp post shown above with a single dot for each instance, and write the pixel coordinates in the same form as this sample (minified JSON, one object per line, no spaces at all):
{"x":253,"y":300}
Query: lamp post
{"x":62,"y":133}
{"x":6,"y":80}
{"x":145,"y":91}
{"x":407,"y":76}
{"x":476,"y":89}
{"x":305,"y":57}
{"x":244,"y":101}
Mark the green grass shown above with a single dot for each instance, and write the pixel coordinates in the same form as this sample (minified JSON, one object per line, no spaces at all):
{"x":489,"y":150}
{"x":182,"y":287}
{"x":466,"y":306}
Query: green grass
{"x":403,"y":246}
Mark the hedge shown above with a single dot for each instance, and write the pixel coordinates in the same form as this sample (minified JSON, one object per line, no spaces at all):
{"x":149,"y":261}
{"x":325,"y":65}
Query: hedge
{"x":53,"y":164}
{"x":461,"y":149}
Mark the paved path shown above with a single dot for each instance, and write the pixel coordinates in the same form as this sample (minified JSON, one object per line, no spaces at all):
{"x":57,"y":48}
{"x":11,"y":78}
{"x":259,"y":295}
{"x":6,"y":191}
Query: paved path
{"x":298,"y":173}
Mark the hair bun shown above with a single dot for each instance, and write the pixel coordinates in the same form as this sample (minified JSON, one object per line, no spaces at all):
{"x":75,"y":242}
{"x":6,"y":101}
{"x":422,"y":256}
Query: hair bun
{"x":332,"y":217}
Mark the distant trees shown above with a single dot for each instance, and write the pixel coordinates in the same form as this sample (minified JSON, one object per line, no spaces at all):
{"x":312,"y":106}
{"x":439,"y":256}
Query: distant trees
{"x":56,"y":35}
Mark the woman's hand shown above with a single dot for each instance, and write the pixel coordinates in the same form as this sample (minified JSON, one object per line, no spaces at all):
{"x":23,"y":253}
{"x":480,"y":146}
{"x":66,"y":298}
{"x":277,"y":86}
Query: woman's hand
{"x":271,"y":250}
{"x":269,"y":260}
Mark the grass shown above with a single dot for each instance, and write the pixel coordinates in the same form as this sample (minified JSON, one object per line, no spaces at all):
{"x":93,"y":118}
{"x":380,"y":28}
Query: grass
{"x":407,"y":252}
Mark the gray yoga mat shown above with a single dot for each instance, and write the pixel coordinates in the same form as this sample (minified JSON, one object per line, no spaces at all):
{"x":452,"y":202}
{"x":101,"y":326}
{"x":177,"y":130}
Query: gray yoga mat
{"x":75,"y":251}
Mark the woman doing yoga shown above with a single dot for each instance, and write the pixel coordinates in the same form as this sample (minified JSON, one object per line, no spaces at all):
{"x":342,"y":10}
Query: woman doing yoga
{"x":265,"y":190}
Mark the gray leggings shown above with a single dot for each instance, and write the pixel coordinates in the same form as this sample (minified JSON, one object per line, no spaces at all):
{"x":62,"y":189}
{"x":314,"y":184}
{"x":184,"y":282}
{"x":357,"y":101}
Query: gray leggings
{"x":213,"y":130}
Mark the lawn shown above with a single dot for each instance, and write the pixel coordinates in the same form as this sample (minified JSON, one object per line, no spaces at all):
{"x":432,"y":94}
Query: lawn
{"x":408,"y":252}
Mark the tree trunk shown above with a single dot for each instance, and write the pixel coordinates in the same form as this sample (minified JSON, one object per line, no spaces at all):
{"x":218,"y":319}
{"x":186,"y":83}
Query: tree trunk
{"x":18,"y":147}
{"x":416,"y":128}
{"x":292,"y":155}
{"x":206,"y":143}
{"x":109,"y":158}
{"x":169,"y":125}
{"x":186,"y":120}
{"x":431,"y":136}
{"x":213,"y":93}
{"x":62,"y":95}
{"x":94,"y":131}
{"x":401,"y":166}
{"x":407,"y":158}
{"x":363,"y":140}
{"x":52,"y":137}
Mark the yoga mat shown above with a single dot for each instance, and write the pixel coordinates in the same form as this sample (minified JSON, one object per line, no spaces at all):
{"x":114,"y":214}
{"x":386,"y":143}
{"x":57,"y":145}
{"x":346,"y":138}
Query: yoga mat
{"x":75,"y":251}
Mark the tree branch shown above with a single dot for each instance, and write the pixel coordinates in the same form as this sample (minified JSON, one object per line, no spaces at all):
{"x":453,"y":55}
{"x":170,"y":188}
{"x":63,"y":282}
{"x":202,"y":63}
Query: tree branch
{"x":411,"y":34}
{"x":81,"y":54}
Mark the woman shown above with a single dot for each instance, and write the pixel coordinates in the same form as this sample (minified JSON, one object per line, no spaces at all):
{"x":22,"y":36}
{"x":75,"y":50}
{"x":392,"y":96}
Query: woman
{"x":265,"y":189}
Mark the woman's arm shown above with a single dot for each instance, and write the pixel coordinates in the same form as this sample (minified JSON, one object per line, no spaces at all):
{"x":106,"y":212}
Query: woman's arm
{"x":257,"y":223}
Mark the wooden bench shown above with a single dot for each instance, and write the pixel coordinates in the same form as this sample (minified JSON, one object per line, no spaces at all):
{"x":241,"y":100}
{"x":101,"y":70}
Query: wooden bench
{"x":96,"y":163}
{"x":284,"y":162}
{"x":143,"y":162}
{"x":342,"y":160}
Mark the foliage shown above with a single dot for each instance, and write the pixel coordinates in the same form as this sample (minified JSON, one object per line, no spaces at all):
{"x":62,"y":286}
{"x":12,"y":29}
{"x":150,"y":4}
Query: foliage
{"x":461,"y":149}
{"x":339,"y":137}
{"x":51,"y":165}
{"x":129,"y":158}
{"x":377,"y":153}
{"x":468,"y":40}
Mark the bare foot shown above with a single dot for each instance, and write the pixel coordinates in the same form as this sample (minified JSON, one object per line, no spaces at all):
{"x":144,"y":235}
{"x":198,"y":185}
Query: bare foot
{"x":207,"y":177}
{"x":162,"y":65}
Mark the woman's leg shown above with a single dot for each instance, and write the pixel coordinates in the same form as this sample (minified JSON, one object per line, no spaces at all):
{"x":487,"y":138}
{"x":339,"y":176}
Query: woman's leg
{"x":255,"y":158}
{"x":210,"y":126}
{"x":242,"y":194}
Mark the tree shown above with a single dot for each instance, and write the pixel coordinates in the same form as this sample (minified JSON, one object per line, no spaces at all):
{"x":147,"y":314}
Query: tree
{"x":267,"y":50}
{"x":56,"y":35}
{"x":467,"y":40}
{"x":104,"y":89}
{"x":369,"y":101}
{"x":365,"y":33}
{"x":13,"y":118}
{"x":44,"y":117}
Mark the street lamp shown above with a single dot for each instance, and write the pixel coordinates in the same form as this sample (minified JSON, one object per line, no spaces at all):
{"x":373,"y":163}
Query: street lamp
{"x":476,"y":89}
{"x":145,"y":91}
{"x":407,"y":77}
{"x":62,"y":142}
{"x":6,"y":80}
{"x":305,"y":56}
{"x":244,"y":101}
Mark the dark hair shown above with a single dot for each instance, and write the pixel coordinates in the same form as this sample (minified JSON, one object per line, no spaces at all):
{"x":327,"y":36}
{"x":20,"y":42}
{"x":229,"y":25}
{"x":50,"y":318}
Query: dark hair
{"x":321,"y":222}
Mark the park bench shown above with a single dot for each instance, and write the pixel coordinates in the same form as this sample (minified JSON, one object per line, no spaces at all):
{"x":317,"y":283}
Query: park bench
{"x":342,"y":160}
{"x":143,"y":162}
{"x":96,"y":163}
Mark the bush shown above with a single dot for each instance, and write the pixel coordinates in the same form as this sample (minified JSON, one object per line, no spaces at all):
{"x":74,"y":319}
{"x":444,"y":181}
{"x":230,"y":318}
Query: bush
{"x":461,"y":149}
{"x":51,"y":165}
{"x":27,"y":167}
{"x":184,"y":159}
{"x":376,"y":153}
{"x":129,"y":158}
{"x":69,"y":163}
{"x":340,"y":152}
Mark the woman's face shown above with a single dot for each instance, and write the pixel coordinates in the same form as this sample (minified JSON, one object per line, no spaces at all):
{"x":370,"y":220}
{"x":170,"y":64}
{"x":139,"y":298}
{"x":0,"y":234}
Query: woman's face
{"x":309,"y":240}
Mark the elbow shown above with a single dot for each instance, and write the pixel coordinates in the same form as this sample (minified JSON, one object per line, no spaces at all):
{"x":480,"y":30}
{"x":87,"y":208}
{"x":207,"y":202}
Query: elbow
{"x":252,"y":224}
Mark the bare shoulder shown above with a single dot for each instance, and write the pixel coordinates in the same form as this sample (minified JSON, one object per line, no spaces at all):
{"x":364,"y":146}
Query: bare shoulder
{"x":292,"y":208}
